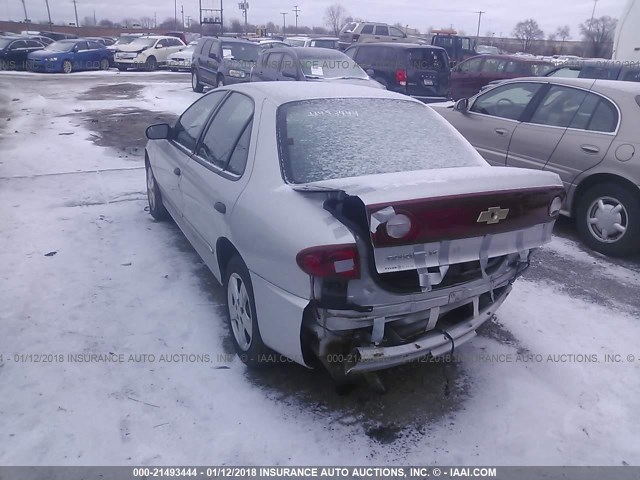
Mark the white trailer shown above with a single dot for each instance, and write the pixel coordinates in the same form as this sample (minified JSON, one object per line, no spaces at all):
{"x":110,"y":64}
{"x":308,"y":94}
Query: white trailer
{"x":626,"y":45}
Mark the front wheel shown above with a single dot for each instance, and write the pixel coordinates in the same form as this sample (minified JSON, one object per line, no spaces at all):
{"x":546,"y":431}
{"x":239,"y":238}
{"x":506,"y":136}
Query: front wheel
{"x":156,"y":207}
{"x":242,"y":317}
{"x":608,"y":219}
{"x":195,"y":82}
{"x":151,"y":64}
{"x":67,"y":67}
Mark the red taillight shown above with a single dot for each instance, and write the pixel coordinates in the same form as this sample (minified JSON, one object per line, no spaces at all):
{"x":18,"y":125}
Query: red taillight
{"x":401,"y":77}
{"x":339,"y":261}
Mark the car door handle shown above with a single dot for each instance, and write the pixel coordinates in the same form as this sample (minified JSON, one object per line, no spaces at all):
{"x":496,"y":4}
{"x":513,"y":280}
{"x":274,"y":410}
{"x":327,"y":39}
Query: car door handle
{"x":590,"y":149}
{"x":501,"y":131}
{"x":220,"y":207}
{"x":177,"y":171}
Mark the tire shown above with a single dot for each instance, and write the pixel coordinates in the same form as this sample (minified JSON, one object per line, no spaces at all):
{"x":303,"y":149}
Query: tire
{"x":67,"y":67}
{"x":151,"y":64}
{"x":195,"y":82}
{"x":220,"y":81}
{"x":154,"y":197}
{"x":601,"y":214}
{"x":104,"y":64}
{"x":242,"y":317}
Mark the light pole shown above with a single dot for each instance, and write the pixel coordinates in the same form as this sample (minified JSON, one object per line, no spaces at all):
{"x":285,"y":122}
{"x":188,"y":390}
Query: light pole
{"x":26,"y":16}
{"x":593,"y":12}
{"x":48,"y":13}
{"x":284,"y":22}
{"x":479,"y":20}
{"x":75,"y":7}
{"x":297,"y":10}
{"x":175,"y":13}
{"x":182,"y":11}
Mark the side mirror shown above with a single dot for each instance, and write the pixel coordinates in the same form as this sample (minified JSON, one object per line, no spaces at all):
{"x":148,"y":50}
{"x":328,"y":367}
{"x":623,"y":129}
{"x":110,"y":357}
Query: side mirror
{"x":462,"y":105}
{"x":160,"y":131}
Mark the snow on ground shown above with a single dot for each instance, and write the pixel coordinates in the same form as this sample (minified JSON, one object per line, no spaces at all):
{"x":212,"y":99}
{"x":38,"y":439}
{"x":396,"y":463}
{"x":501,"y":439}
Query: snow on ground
{"x":86,"y":270}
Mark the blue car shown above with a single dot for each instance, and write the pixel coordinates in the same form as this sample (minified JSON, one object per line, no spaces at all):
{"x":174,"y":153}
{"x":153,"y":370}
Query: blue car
{"x":68,"y":56}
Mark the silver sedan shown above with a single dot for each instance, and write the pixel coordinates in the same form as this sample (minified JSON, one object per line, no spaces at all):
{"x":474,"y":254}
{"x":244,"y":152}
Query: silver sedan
{"x":347,"y":224}
{"x":584,"y":130}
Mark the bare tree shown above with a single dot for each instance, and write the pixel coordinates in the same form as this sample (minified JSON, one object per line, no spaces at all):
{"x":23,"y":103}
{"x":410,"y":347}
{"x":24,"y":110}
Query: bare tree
{"x":563,"y":33}
{"x":334,"y":17}
{"x":527,"y":31}
{"x":147,"y":22}
{"x":598,"y":34}
{"x":105,"y":23}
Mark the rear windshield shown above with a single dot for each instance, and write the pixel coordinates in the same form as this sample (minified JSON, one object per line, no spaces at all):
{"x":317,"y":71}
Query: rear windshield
{"x":427,"y":59}
{"x":349,"y":27}
{"x":240,"y":52}
{"x":338,"y":66}
{"x":351,"y":137}
{"x":324,"y":43}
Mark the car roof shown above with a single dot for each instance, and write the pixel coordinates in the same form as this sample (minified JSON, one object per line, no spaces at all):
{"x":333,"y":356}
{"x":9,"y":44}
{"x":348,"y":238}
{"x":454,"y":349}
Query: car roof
{"x":610,"y":88}
{"x":517,"y":58}
{"x":323,"y":38}
{"x":285,"y":92}
{"x":315,"y":52}
{"x":399,"y":45}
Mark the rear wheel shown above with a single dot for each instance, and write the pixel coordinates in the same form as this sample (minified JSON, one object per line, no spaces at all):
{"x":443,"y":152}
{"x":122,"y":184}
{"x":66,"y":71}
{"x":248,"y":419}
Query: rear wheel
{"x":195,"y":82}
{"x":156,"y":207}
{"x":608,"y":219}
{"x":243,"y":322}
{"x":151,"y":64}
{"x":67,"y":67}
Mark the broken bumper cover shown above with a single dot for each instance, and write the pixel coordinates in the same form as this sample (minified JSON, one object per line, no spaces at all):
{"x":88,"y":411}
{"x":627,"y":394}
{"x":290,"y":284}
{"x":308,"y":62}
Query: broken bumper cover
{"x":435,"y":343}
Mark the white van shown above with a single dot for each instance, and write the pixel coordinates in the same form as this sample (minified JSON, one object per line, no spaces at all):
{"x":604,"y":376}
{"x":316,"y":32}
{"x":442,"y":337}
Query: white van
{"x":626,"y":45}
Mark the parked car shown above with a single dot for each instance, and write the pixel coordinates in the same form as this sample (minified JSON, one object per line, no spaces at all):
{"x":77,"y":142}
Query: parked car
{"x":39,"y":38}
{"x":68,"y":56}
{"x":222,"y":61}
{"x":309,"y":64}
{"x":296,"y":41}
{"x":14,"y":52}
{"x":363,"y":32}
{"x":584,"y":130}
{"x":56,"y":36}
{"x":599,"y":69}
{"x":339,"y":230}
{"x":183,"y":59}
{"x":487,"y":50}
{"x":468,"y":77}
{"x":146,"y":53}
{"x":321,"y":42}
{"x":420,"y":71}
{"x":106,"y":41}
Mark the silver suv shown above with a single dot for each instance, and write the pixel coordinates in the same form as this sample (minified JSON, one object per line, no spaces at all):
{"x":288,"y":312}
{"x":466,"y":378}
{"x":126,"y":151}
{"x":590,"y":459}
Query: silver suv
{"x":368,"y":32}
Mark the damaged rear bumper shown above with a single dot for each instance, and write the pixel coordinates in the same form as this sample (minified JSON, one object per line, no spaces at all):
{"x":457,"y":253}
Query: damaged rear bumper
{"x":435,"y":343}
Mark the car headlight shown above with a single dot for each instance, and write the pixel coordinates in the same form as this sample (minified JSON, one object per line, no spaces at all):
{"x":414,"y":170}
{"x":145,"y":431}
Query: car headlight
{"x":52,"y":59}
{"x":237,"y":73}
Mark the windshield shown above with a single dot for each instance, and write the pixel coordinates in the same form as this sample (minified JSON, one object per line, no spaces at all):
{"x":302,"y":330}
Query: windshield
{"x":62,"y":46}
{"x":331,"y":67}
{"x":351,"y":137}
{"x":143,"y":42}
{"x":241,"y":52}
{"x":487,"y":49}
{"x":125,"y":40}
{"x":324,"y":43}
{"x":294,"y":42}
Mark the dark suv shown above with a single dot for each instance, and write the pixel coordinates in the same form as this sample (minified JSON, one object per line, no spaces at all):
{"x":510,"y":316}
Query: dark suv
{"x":222,"y":61}
{"x":627,"y":71}
{"x":419,"y":71}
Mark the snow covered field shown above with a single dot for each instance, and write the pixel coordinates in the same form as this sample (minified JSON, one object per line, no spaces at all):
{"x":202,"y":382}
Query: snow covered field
{"x":85,"y":270}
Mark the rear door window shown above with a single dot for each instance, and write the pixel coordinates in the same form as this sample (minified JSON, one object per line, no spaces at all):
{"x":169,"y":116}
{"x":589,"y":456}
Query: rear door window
{"x":493,"y":65}
{"x":596,"y":114}
{"x":471,"y":66}
{"x":396,"y":32}
{"x":631,"y":76}
{"x":559,"y":106}
{"x":382,"y":30}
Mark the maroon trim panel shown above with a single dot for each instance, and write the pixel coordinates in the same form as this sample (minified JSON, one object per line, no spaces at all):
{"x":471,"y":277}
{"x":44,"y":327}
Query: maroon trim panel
{"x":469,"y":215}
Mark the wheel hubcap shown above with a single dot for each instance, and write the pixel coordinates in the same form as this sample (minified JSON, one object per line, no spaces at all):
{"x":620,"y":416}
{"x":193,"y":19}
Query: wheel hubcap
{"x":607,"y":219}
{"x":239,"y":312}
{"x":67,"y":67}
{"x":151,"y":189}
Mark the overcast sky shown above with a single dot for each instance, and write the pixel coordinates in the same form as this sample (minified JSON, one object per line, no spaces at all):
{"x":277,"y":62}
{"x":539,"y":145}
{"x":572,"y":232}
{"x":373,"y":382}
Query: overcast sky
{"x":500,"y":17}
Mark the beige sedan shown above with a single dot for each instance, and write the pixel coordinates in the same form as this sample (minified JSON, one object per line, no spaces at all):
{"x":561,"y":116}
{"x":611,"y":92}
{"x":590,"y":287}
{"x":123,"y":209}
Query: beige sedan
{"x":584,"y":130}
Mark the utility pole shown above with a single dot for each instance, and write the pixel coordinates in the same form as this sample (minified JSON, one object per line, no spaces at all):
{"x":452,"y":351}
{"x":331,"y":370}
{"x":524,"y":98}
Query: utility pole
{"x":48,"y":13}
{"x":182,"y":11}
{"x":593,"y":12}
{"x":155,"y":20}
{"x":479,"y":20}
{"x":75,"y":7}
{"x":297,"y":10}
{"x":26,"y":17}
{"x":175,"y":13}
{"x":284,"y":22}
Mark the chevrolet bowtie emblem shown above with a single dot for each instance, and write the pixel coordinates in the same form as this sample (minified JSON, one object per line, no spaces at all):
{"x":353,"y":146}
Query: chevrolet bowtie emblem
{"x":493,"y":215}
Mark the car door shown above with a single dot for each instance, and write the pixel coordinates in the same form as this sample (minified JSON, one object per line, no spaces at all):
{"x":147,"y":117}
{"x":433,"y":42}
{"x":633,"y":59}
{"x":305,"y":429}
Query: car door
{"x":536,"y":139}
{"x":493,"y":117}
{"x":396,"y":35}
{"x":17,"y":54}
{"x":215,"y":176}
{"x":169,"y":157}
{"x":271,"y":67}
{"x":212,"y":63}
{"x":81,"y":56}
{"x":381,"y":33}
{"x":289,"y":69}
{"x":464,"y":78}
{"x":587,"y":140}
{"x":96,"y":51}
